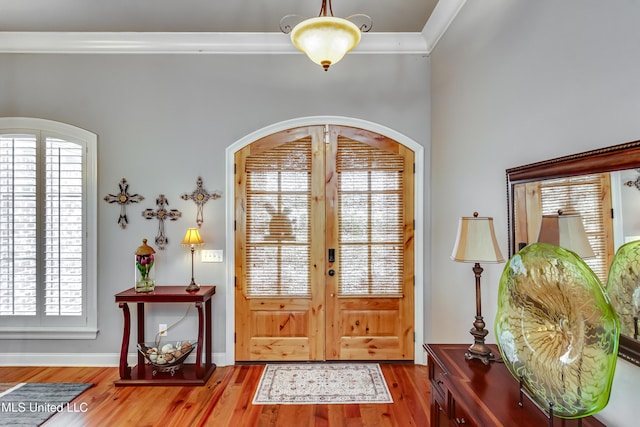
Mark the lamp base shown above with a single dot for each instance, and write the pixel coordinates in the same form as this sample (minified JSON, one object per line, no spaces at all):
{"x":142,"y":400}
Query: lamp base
{"x":480,"y":351}
{"x":193,"y":287}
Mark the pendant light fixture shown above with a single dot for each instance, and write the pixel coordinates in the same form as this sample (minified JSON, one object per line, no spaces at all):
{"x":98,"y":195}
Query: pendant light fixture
{"x":325,"y":39}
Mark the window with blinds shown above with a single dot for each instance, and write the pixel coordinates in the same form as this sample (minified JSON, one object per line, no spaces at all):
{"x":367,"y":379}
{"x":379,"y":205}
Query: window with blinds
{"x":371,"y":216}
{"x":41,"y":226}
{"x":63,"y":228}
{"x":583,"y":195}
{"x":278,"y":246}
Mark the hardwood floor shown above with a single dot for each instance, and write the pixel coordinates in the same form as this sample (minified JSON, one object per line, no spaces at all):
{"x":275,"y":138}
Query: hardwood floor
{"x":224,"y":401}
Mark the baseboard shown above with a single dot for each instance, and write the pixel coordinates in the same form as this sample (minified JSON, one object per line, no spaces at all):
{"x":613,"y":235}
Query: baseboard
{"x":81,"y":359}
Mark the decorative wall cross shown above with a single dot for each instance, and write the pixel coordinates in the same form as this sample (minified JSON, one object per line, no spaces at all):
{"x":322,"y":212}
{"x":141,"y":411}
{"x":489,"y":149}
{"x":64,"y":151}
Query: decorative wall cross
{"x":161,"y":214}
{"x":200,"y":196}
{"x":635,"y":183}
{"x":123,"y":198}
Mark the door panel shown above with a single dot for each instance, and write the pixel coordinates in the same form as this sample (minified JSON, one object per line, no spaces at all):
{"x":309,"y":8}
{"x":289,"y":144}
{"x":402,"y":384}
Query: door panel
{"x":370,"y":225}
{"x":324,"y":247}
{"x":279,"y":212}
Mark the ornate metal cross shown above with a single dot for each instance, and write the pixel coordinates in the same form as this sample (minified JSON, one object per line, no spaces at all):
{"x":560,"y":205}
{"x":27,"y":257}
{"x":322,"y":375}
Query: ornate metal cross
{"x":200,"y":196}
{"x":635,"y":183}
{"x":161,"y":214}
{"x":123,"y":198}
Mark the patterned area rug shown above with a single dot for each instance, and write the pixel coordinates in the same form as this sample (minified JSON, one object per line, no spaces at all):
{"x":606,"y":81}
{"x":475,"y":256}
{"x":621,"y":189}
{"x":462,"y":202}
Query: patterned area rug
{"x":318,"y":383}
{"x":31,"y":404}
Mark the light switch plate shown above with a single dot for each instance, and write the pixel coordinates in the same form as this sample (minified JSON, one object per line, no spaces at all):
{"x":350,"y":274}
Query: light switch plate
{"x":216,"y":255}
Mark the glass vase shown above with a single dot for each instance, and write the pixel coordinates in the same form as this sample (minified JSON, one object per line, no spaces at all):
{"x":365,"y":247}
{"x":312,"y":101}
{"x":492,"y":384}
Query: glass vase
{"x":144,"y":261}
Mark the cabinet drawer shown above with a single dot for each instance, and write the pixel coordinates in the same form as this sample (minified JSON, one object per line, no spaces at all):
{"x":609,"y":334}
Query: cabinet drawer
{"x":437,"y":375}
{"x":439,"y":416}
{"x":460,"y":417}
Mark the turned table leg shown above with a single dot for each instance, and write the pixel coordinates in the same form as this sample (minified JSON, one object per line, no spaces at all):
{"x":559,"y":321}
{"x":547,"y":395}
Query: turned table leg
{"x":140,"y":317}
{"x":208,"y":336}
{"x":200,"y":370}
{"x":125,"y":370}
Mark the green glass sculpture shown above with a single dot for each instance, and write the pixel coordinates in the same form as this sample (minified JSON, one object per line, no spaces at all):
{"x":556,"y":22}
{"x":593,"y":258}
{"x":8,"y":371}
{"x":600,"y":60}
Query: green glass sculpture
{"x":557,"y":331}
{"x":623,"y":286}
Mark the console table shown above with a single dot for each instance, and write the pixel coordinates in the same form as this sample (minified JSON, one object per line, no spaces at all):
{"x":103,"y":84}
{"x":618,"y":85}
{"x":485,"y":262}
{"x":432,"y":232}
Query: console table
{"x":190,"y":374}
{"x":470,"y":393}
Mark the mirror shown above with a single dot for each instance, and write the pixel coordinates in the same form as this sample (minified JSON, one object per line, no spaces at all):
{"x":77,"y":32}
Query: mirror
{"x":614,"y":170}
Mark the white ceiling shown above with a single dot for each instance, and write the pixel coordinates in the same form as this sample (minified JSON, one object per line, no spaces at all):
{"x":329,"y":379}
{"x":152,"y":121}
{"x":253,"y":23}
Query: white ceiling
{"x":261,"y":16}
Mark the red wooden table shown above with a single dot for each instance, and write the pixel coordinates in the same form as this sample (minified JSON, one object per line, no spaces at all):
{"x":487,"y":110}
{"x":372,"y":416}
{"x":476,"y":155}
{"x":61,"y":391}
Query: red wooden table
{"x":190,"y":374}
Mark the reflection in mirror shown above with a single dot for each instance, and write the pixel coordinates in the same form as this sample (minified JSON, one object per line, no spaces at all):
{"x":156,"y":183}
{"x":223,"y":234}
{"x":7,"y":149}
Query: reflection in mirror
{"x":585,"y":195}
{"x":603,"y":187}
{"x":623,"y":288}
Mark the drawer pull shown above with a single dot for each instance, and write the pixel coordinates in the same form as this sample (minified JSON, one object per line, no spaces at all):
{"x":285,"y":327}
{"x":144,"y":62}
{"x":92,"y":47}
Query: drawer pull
{"x":460,"y":421}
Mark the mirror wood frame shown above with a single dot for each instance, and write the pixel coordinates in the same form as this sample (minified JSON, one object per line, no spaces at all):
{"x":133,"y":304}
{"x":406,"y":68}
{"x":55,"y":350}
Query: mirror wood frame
{"x":614,"y":158}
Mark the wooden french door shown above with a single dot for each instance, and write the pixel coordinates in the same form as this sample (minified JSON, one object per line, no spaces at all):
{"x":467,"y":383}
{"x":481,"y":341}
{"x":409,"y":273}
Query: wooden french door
{"x":324,"y":247}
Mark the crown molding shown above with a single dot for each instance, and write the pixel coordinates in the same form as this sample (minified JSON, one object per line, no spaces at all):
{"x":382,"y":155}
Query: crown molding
{"x":222,"y":43}
{"x":193,"y":43}
{"x":443,"y":15}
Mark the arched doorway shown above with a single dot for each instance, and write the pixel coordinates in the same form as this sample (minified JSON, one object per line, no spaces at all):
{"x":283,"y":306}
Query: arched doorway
{"x":324,"y":265}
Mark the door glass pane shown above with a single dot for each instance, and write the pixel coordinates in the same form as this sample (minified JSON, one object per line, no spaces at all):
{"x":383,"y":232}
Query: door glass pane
{"x":371,"y":218}
{"x":278,"y":192}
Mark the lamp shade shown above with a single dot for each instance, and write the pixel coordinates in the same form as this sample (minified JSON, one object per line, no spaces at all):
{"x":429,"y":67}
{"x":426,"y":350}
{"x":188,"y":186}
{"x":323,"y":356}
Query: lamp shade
{"x":192,"y":237}
{"x":476,"y":241}
{"x":325,"y":39}
{"x":566,"y":231}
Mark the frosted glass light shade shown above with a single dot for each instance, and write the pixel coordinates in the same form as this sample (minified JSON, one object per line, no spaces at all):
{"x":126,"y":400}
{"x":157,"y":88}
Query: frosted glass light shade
{"x":325,"y":39}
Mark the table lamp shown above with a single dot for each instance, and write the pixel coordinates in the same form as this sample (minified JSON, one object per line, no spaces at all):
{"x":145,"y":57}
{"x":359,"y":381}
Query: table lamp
{"x":192,"y":238}
{"x":566,"y":231}
{"x":476,"y":243}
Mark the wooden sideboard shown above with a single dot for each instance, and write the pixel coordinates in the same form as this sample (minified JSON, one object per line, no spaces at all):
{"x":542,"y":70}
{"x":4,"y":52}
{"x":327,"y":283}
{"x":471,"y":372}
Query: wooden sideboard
{"x":469,"y":393}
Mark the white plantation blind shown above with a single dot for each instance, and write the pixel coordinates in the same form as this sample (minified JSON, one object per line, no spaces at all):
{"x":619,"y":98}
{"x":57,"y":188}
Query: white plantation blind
{"x":64,"y":231}
{"x":584,"y":195}
{"x":278,"y":247}
{"x":41,"y":226}
{"x":371,"y":217}
{"x":18,"y":234}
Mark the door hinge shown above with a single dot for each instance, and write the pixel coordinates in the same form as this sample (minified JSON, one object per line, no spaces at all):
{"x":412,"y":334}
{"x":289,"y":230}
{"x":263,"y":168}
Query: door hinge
{"x":234,"y":338}
{"x":326,"y":134}
{"x":234,"y":168}
{"x":234,"y":225}
{"x":235,"y":281}
{"x":414,"y":336}
{"x":612,"y":213}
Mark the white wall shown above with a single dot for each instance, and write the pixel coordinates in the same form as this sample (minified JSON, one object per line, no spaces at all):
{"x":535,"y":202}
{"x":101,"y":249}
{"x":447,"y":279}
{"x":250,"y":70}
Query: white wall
{"x":513,"y":82}
{"x":163,"y":120}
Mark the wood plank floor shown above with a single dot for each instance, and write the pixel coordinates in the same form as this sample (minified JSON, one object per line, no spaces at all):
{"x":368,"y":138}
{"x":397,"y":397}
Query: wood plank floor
{"x":224,"y":401}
